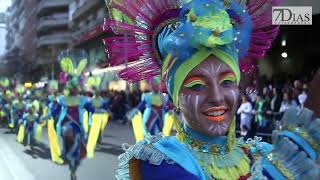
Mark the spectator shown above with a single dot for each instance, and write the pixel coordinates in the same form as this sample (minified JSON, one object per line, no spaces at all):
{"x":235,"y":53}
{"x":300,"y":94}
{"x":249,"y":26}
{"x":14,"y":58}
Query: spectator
{"x":287,"y":102}
{"x":296,"y":90}
{"x":251,"y":91}
{"x":245,"y":110}
{"x":303,"y":96}
{"x":259,"y":111}
{"x":266,"y":94}
{"x":273,"y":108}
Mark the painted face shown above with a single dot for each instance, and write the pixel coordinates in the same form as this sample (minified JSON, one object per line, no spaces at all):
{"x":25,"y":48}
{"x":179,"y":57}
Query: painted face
{"x":208,"y":98}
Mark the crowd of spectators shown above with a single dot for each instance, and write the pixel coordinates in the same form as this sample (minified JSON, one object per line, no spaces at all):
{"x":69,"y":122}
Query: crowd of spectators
{"x":260,"y":112}
{"x":121,"y":102}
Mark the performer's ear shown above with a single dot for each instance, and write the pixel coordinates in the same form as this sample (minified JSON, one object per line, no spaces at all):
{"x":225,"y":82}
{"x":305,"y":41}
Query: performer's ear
{"x":313,"y":100}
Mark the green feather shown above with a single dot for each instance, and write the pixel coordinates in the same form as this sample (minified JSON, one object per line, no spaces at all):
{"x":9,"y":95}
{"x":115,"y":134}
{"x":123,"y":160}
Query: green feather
{"x":98,"y":81}
{"x":70,"y":66}
{"x":67,"y":65}
{"x":93,"y":82}
{"x":81,"y":66}
{"x":119,"y":16}
{"x":64,"y":65}
{"x":90,"y":81}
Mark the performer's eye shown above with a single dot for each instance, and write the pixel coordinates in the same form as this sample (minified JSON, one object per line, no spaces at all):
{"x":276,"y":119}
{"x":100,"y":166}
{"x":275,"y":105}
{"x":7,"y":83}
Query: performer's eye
{"x":195,"y":84}
{"x":228,"y":80}
{"x":227,"y":83}
{"x":198,"y":87}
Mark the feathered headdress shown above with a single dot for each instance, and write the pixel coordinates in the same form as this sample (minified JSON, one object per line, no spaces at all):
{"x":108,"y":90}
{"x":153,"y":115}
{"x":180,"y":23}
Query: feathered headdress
{"x":72,"y":64}
{"x":142,"y":28}
{"x":177,"y":36}
{"x":93,"y":82}
{"x":20,"y":89}
{"x":4,"y":82}
{"x":137,"y":24}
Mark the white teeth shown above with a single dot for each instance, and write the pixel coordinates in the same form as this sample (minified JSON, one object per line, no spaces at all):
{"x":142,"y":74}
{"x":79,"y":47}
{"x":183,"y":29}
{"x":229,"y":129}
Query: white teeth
{"x":216,"y":113}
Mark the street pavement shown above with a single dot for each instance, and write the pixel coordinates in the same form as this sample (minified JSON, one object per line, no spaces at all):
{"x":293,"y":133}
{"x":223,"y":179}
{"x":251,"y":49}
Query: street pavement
{"x":20,"y":163}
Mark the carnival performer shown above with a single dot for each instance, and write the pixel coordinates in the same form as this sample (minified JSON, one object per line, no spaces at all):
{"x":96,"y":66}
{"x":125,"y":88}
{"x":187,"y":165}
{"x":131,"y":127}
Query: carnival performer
{"x":3,"y":112}
{"x":17,"y":108}
{"x":199,"y":59}
{"x":70,"y":122}
{"x":31,"y":121}
{"x":52,"y":116}
{"x":150,"y":116}
{"x":5,"y":98}
{"x":98,"y":120}
{"x":39,"y":109}
{"x":52,"y":106}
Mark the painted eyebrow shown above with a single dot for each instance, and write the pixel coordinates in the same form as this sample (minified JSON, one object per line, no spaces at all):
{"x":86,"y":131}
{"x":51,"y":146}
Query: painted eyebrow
{"x":194,"y":78}
{"x":226,"y":74}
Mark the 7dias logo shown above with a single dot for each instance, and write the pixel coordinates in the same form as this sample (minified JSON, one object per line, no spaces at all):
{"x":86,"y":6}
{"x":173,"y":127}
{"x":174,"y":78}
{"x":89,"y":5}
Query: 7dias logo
{"x":292,"y":15}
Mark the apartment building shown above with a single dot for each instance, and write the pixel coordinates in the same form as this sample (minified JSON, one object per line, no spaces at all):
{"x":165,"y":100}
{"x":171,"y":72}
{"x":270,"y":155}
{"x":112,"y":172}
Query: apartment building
{"x":53,"y":33}
{"x":21,"y":21}
{"x":86,"y":21}
{"x":38,"y":30}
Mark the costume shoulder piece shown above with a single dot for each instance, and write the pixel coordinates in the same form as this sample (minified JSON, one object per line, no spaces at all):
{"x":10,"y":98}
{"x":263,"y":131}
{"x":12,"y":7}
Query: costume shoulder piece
{"x":255,"y":148}
{"x":159,"y":153}
{"x":296,"y":149}
{"x":144,"y":151}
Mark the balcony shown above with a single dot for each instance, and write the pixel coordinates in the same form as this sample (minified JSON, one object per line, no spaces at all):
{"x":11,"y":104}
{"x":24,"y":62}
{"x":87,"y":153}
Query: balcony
{"x":86,"y":6}
{"x":88,"y":31}
{"x":16,"y":8}
{"x":49,"y":6}
{"x":54,"y":39}
{"x":51,"y":22}
{"x":84,"y":29}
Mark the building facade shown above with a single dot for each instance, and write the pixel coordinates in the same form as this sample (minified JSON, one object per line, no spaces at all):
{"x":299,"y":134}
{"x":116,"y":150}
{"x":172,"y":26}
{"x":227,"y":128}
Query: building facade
{"x":53,"y":34}
{"x":86,"y":20}
{"x":38,"y":30}
{"x":20,"y":48}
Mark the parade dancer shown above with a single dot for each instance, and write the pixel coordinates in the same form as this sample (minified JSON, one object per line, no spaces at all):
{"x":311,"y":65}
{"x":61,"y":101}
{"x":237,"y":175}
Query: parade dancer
{"x":150,"y":116}
{"x":17,"y":109}
{"x":39,"y":105}
{"x":5,"y":99}
{"x":98,"y":120}
{"x":53,"y":107}
{"x":198,"y":45}
{"x":70,"y":121}
{"x":31,"y":121}
{"x":52,"y":116}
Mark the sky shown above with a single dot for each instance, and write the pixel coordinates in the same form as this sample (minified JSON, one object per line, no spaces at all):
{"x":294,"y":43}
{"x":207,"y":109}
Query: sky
{"x":4,"y":4}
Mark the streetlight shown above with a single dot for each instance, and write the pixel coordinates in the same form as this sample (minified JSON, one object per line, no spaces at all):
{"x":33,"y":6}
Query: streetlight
{"x":284,"y":55}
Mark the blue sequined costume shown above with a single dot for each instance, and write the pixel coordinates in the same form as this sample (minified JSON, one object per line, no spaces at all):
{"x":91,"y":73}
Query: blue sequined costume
{"x":70,"y":127}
